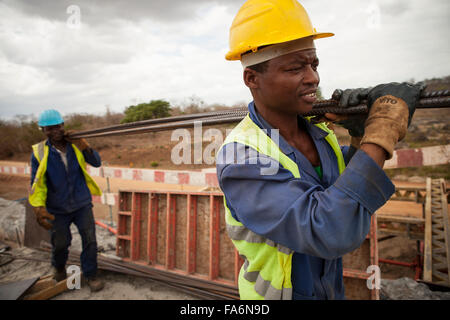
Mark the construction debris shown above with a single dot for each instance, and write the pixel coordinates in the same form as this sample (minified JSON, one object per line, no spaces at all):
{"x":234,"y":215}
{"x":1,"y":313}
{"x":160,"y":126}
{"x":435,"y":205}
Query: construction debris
{"x":12,"y":220}
{"x":408,"y":289}
{"x":15,"y":290}
{"x":36,"y":263}
{"x":45,"y":289}
{"x":200,"y":288}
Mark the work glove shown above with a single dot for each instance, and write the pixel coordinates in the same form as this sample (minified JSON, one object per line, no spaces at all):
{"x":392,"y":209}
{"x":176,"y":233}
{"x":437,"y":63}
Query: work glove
{"x":80,"y":143}
{"x":354,"y":123}
{"x":392,"y":107}
{"x":41,"y":217}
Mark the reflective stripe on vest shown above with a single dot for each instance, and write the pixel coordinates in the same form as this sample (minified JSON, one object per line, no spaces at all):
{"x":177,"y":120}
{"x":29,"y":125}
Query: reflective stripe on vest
{"x":38,"y":192}
{"x":266,"y":272}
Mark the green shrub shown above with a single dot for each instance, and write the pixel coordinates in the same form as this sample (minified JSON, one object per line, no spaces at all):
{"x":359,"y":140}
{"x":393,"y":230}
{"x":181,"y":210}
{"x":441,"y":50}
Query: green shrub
{"x":154,"y":164}
{"x":144,"y":111}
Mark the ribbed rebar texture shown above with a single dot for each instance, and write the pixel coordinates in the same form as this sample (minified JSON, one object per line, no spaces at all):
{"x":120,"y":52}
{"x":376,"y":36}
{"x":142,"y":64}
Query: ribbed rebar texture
{"x":435,"y":99}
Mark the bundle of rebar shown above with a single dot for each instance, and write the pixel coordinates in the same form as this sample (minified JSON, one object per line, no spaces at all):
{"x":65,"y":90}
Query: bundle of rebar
{"x":428,"y":100}
{"x":193,"y":286}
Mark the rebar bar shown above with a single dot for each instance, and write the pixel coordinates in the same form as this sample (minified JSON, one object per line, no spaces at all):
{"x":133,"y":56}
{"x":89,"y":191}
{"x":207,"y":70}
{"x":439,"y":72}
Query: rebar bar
{"x":201,"y":288}
{"x":434,"y":99}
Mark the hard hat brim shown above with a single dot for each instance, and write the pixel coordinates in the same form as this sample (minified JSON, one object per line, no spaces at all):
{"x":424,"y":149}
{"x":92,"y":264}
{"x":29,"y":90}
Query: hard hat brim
{"x":49,"y":124}
{"x":236,"y":55}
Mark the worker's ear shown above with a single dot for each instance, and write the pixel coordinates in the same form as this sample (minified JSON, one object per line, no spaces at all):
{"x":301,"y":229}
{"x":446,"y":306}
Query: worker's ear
{"x":251,"y":78}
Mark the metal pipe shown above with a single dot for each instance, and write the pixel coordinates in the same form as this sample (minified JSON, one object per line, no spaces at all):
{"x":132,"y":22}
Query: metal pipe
{"x":398,"y":263}
{"x":104,"y":226}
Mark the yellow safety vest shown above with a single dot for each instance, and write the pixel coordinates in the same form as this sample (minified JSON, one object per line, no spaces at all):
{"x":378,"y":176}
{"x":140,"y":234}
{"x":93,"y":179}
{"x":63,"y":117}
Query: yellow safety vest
{"x":38,"y":192}
{"x":266,"y":272}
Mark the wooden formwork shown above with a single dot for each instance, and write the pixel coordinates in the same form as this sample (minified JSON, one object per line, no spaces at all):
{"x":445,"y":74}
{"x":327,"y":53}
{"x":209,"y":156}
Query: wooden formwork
{"x":182,"y":232}
{"x":399,"y":224}
{"x":185,"y":233}
{"x":437,"y":234}
{"x":356,"y":272}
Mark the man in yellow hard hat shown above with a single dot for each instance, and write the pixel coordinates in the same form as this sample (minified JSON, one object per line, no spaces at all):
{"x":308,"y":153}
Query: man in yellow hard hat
{"x":295,"y":200}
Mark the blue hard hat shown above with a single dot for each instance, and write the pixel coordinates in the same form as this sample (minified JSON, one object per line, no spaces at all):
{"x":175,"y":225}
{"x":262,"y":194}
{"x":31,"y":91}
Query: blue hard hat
{"x":50,"y":117}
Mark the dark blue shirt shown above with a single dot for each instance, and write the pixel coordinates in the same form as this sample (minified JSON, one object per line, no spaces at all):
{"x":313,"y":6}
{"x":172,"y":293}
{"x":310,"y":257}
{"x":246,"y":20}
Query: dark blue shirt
{"x":320,"y":219}
{"x":66,"y":189}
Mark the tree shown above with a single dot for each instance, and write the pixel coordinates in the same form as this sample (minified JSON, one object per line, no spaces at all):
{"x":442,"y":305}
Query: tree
{"x":319,"y":94}
{"x":143,"y":111}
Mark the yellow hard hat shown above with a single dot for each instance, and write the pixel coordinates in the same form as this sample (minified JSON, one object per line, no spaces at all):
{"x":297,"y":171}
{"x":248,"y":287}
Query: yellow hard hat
{"x":265,"y":22}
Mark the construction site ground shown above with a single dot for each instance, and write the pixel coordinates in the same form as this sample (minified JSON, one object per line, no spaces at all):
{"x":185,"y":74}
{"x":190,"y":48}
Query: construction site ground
{"x":120,"y":286}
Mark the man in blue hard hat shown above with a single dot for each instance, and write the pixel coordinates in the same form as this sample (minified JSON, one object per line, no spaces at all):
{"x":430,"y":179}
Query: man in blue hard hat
{"x":61,"y":192}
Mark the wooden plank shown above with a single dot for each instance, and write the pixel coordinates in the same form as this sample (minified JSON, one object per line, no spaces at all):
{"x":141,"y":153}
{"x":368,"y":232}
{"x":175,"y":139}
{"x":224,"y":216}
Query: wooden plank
{"x":191,"y":233}
{"x":41,"y":284}
{"x":411,"y":220}
{"x":214,"y":238}
{"x":136,"y":223}
{"x":143,"y":224}
{"x":133,"y":226}
{"x":375,"y":293}
{"x":170,"y":231}
{"x":445,"y":221}
{"x":427,"y":259}
{"x":152,"y":239}
{"x":48,"y":293}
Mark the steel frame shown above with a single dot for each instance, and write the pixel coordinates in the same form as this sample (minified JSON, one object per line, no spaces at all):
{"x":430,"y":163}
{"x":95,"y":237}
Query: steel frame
{"x":129,"y":234}
{"x":133,"y":237}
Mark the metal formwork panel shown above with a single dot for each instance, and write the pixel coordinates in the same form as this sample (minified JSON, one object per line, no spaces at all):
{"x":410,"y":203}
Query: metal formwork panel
{"x":181,"y":232}
{"x":185,"y":233}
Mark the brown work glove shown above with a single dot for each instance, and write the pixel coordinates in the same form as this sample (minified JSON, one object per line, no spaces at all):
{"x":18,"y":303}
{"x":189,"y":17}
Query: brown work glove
{"x":391,"y":106}
{"x":354,"y":123}
{"x":81,"y":143}
{"x":41,"y":217}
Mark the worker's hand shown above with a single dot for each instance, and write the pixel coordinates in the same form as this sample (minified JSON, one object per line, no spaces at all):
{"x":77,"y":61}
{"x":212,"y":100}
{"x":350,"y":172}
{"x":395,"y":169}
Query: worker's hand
{"x":391,"y":107}
{"x":42,"y":217}
{"x":81,"y":144}
{"x":354,"y":123}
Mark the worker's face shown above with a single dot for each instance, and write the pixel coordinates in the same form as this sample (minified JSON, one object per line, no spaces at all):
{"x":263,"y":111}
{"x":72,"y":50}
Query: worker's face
{"x":54,"y":133}
{"x":288,"y":85}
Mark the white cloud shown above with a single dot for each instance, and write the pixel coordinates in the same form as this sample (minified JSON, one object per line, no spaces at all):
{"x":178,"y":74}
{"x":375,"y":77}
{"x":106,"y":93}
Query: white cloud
{"x":135,"y":51}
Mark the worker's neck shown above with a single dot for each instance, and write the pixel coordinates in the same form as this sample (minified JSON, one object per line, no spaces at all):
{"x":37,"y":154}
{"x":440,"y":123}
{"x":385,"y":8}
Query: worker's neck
{"x":61,"y":144}
{"x":286,"y":123}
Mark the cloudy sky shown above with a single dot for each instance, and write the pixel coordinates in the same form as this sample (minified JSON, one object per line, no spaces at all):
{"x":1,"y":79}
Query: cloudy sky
{"x":120,"y":53}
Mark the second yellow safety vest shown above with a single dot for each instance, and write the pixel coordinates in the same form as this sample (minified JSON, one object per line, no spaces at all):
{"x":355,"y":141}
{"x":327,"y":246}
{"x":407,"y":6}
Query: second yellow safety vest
{"x":38,"y":192}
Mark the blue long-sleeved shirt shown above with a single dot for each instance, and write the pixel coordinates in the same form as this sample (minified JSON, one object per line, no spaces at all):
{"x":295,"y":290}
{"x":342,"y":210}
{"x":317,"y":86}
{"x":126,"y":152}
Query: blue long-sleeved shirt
{"x":320,"y":219}
{"x":66,"y":189}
